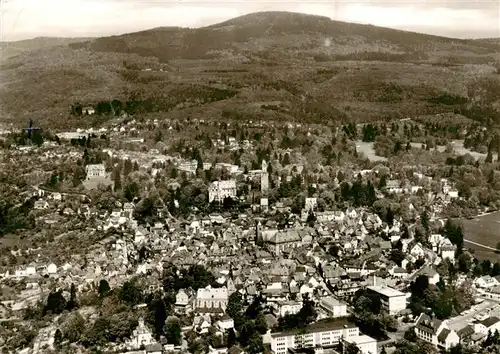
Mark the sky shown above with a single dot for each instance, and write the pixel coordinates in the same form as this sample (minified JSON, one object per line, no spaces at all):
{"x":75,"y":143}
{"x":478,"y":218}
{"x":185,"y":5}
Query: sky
{"x":24,"y":19}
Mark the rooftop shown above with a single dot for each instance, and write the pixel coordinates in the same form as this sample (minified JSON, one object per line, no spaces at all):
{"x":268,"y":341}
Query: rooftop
{"x":386,"y":291}
{"x":320,"y":326}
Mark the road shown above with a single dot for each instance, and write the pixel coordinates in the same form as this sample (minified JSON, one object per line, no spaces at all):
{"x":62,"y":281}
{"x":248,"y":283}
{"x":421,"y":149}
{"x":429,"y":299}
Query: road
{"x":481,"y":245}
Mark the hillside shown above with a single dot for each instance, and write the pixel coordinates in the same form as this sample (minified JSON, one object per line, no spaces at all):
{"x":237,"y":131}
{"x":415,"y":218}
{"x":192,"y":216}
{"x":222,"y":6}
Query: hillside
{"x":284,"y":34}
{"x":10,"y":49}
{"x":273,"y":65}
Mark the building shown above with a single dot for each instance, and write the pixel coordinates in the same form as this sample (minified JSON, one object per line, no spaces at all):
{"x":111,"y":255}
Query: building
{"x":264,"y":182}
{"x":288,"y":308}
{"x":436,"y":332}
{"x":219,"y":190}
{"x":319,"y":334}
{"x":333,"y":307}
{"x":365,"y":344}
{"x":284,"y":241}
{"x":212,"y":298}
{"x":392,"y":300}
{"x":89,"y":110}
{"x":488,"y":325}
{"x":94,"y":171}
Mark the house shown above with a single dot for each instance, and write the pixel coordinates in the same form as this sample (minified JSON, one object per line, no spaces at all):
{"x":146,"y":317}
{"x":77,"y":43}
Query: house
{"x":52,"y":268}
{"x":486,"y":282}
{"x":219,"y":190}
{"x":417,"y":251}
{"x":333,"y":307}
{"x":225,"y":323}
{"x":317,"y":335}
{"x":392,"y":300}
{"x":212,"y":298}
{"x":488,"y":325}
{"x":41,"y":204}
{"x":181,"y":300}
{"x":431,"y":274}
{"x":436,"y":332}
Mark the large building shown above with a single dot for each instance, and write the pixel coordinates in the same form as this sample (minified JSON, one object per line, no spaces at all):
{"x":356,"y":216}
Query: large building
{"x":392,"y":300}
{"x":319,"y":334}
{"x":212,"y":298}
{"x":219,"y":190}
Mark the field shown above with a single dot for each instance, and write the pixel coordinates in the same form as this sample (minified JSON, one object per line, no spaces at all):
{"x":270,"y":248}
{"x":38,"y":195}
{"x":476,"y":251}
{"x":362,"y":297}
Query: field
{"x":484,"y":230}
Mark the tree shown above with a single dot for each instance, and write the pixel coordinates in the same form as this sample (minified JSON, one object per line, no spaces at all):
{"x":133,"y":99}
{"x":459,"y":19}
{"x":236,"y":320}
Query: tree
{"x":131,"y":190}
{"x":173,"y":332}
{"x":286,"y":159}
{"x":231,"y":338}
{"x":73,"y":327}
{"x":103,"y":287}
{"x":130,"y":293}
{"x":261,"y":323}
{"x":158,"y":315}
{"x":351,"y":348}
{"x":73,"y":302}
{"x":56,"y":303}
{"x":307,"y":313}
{"x":58,"y":338}
{"x":37,"y":138}
{"x":498,"y":247}
{"x":255,"y":345}
{"x":234,"y":309}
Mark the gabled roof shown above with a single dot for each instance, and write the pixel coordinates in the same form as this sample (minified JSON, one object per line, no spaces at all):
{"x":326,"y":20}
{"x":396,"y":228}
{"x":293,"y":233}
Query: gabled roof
{"x":490,"y":321}
{"x":443,"y":334}
{"x":427,"y":324}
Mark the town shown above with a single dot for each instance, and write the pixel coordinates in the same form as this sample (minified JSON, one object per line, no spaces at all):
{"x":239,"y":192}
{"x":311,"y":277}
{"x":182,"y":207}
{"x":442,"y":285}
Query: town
{"x":223,"y":236}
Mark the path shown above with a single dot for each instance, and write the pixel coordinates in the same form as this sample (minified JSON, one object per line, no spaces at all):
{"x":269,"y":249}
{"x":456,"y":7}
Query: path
{"x":481,"y":245}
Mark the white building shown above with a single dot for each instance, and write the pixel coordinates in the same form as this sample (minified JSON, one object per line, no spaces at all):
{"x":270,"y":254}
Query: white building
{"x":219,"y":190}
{"x":141,"y":336}
{"x":392,"y":300}
{"x":365,"y":344}
{"x":333,"y":307}
{"x":289,"y":308}
{"x":319,"y":334}
{"x":95,"y":171}
{"x":212,"y":298}
{"x":436,"y":332}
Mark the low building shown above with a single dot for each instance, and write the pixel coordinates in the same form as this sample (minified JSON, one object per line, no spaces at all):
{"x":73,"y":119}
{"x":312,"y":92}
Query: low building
{"x":319,"y":334}
{"x":392,"y":300}
{"x":333,"y":307}
{"x":365,"y":344}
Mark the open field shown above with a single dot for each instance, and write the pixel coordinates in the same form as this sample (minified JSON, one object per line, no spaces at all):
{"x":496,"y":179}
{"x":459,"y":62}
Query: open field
{"x":484,"y":230}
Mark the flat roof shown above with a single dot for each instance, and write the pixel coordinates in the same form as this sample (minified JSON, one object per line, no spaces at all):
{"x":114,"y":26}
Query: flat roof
{"x":320,"y":326}
{"x":386,"y":291}
{"x":362,"y":339}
